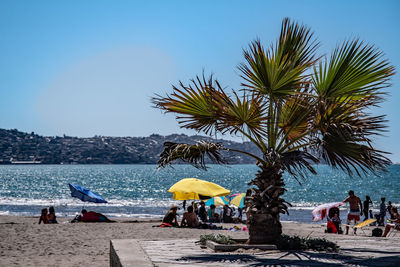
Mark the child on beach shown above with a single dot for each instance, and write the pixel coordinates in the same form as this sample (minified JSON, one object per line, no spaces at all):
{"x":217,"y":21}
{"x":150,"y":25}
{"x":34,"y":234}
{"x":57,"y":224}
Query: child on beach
{"x":336,"y":221}
{"x":43,"y":217}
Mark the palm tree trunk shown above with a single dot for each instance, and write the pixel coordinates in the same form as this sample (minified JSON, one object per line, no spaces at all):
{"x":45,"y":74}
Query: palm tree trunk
{"x":265,"y":206}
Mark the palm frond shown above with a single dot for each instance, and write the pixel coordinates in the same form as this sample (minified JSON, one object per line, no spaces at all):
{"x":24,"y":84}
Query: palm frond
{"x":195,"y":103}
{"x":343,"y":134}
{"x":298,"y":162}
{"x":296,"y":44}
{"x":354,"y":69}
{"x":279,"y":72}
{"x":246,"y":114}
{"x":350,"y":150}
{"x":192,"y":154}
{"x":295,"y":120}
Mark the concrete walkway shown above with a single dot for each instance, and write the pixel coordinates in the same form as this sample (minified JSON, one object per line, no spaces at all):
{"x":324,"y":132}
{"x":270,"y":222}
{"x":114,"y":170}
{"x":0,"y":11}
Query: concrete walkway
{"x":357,"y":251}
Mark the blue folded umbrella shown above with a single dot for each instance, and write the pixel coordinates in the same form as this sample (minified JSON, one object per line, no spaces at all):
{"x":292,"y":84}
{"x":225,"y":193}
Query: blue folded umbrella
{"x":85,"y":194}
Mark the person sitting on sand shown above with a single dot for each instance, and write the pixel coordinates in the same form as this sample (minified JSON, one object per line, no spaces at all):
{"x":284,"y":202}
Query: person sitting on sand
{"x":203,"y":212}
{"x":195,"y":208}
{"x":43,"y":217}
{"x":395,"y":222}
{"x":227,"y":214}
{"x":239,"y":218}
{"x":355,"y":210}
{"x":213,"y":217}
{"x":170,"y":217}
{"x":52,"y":215}
{"x":337,"y":221}
{"x":190,"y":218}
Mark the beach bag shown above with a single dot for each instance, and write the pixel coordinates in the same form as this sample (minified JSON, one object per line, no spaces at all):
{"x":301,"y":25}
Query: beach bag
{"x":377,"y":232}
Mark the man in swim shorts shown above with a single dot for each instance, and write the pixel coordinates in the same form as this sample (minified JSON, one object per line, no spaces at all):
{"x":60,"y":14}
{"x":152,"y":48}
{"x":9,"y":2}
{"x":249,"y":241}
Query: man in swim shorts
{"x":355,"y":210}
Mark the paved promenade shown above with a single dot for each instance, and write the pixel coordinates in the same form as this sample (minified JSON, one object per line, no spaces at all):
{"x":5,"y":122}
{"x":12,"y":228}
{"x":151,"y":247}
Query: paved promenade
{"x":355,"y":251}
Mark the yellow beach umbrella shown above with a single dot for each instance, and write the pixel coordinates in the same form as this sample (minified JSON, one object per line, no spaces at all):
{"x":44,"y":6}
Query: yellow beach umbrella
{"x":238,"y":200}
{"x":192,"y":188}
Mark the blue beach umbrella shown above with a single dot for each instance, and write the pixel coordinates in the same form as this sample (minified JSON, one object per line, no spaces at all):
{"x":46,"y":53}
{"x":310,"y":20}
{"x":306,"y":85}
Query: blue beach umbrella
{"x":85,"y":194}
{"x":217,"y":201}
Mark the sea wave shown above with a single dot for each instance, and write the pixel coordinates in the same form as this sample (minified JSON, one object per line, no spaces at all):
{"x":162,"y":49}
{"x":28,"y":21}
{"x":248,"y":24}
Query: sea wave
{"x":150,"y":202}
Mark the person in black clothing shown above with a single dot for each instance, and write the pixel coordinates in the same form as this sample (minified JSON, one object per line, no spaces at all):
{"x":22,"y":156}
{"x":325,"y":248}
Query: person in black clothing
{"x":170,"y":217}
{"x":203,"y":212}
{"x":367,"y":201}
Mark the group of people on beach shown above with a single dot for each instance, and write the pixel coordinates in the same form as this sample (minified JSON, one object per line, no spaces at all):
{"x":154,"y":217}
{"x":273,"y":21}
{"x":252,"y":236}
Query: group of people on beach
{"x":357,"y":209}
{"x":48,"y":216}
{"x":199,"y":216}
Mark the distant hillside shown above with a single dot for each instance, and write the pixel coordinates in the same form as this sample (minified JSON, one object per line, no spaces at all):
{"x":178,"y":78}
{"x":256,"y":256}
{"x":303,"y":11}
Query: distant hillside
{"x":20,"y":147}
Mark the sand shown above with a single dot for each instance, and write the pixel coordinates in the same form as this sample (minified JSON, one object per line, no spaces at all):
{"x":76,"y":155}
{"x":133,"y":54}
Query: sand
{"x":23,"y":242}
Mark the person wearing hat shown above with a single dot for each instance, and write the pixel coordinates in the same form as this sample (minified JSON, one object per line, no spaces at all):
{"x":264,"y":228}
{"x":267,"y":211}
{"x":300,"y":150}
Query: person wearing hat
{"x":203,"y":212}
{"x":170,"y":217}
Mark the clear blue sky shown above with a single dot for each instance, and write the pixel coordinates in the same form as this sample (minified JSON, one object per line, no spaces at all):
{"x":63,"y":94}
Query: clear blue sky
{"x":83,"y":68}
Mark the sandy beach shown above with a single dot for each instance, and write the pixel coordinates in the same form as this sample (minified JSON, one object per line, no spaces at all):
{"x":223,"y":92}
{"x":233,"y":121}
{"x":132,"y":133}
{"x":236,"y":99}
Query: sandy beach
{"x":26,"y":243}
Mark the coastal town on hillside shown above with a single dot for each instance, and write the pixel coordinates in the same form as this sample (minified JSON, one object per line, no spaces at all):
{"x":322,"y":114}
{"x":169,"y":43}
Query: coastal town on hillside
{"x":17,"y":147}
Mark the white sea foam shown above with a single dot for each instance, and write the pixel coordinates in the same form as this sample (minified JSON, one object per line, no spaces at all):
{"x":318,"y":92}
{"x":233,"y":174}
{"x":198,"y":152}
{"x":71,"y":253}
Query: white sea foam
{"x":73,"y":202}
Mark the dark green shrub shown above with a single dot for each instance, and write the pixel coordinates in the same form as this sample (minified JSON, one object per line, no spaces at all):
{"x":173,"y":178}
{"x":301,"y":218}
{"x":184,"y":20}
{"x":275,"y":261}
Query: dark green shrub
{"x":286,"y":242}
{"x":220,"y":239}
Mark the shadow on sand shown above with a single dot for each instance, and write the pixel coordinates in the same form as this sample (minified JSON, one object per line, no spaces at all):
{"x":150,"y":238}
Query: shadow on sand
{"x":302,"y":258}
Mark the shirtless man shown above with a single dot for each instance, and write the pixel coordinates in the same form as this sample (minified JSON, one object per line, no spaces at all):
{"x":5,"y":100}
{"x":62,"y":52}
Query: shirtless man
{"x":355,"y":210}
{"x":190,"y":218}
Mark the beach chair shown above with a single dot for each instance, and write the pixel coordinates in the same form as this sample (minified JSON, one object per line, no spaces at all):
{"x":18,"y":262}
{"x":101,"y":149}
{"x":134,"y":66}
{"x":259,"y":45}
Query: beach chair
{"x":392,"y":233}
{"x":361,"y":225}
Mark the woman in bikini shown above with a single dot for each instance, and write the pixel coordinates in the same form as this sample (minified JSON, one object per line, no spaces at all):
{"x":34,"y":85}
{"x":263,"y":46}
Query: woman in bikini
{"x":395,"y":222}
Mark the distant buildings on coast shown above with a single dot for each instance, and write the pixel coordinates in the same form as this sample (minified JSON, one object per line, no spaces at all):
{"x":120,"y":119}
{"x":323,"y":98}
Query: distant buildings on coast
{"x":29,"y":148}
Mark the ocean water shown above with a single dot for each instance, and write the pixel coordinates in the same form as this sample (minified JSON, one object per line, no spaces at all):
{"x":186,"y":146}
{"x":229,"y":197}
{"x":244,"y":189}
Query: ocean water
{"x":140,"y":191}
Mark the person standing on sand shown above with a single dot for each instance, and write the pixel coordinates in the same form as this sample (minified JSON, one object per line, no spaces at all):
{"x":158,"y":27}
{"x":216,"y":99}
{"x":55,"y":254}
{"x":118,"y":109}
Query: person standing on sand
{"x":367,"y":201}
{"x":355,"y":210}
{"x":382,"y":212}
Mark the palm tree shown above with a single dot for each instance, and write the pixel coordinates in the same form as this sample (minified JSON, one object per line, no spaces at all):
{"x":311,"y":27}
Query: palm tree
{"x":296,"y":108}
